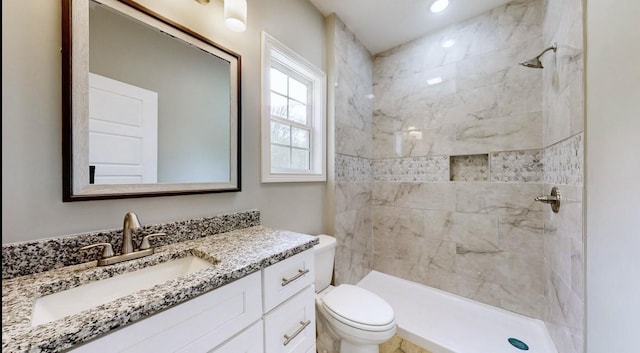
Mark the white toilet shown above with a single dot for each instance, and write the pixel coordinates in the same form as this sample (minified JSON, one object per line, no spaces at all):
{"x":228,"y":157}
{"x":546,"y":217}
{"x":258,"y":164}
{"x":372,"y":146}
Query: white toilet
{"x":350,"y":319}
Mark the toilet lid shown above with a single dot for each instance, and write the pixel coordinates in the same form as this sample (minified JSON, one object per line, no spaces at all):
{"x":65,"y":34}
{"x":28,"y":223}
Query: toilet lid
{"x":354,"y":305}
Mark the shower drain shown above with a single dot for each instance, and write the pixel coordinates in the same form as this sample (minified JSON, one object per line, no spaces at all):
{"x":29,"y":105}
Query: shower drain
{"x":518,"y":344}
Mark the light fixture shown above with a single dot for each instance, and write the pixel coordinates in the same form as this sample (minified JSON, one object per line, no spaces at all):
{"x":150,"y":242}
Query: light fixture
{"x":439,"y":5}
{"x":370,"y":96}
{"x":235,"y":15}
{"x":434,"y":81}
{"x":448,"y":43}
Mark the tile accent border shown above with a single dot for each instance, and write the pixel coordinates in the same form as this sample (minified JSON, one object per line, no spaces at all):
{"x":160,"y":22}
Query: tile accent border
{"x":349,"y":168}
{"x":525,"y":166}
{"x":24,"y":258}
{"x":517,"y":166}
{"x":430,"y":168}
{"x":564,"y":161}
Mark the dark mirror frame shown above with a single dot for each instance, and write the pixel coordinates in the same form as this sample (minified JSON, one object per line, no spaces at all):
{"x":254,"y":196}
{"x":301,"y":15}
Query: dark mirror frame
{"x":135,"y":190}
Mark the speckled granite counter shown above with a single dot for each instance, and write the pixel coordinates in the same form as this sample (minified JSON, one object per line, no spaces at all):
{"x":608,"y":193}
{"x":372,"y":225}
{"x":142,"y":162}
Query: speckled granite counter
{"x":237,"y":253}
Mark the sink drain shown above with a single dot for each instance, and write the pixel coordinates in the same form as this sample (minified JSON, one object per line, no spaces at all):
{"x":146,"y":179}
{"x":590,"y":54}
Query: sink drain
{"x":518,"y":344}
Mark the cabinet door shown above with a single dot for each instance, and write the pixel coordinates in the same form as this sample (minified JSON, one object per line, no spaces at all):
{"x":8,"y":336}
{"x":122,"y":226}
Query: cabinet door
{"x":202,"y":323}
{"x":291,"y":327}
{"x":247,"y":341}
{"x":284,"y":279}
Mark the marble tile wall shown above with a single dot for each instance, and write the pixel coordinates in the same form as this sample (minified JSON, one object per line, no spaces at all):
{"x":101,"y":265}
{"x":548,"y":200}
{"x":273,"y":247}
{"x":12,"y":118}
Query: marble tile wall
{"x":353,"y":164}
{"x":479,"y":236}
{"x":564,"y":270}
{"x":477,"y":239}
{"x":563,"y":87}
{"x":563,"y":142}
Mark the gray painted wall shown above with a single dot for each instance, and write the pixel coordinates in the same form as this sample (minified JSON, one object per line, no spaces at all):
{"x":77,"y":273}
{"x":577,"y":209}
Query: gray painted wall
{"x":613,"y":171}
{"x":32,"y":206}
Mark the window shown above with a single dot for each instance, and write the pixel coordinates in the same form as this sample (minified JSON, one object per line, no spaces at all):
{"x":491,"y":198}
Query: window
{"x":293,"y":116}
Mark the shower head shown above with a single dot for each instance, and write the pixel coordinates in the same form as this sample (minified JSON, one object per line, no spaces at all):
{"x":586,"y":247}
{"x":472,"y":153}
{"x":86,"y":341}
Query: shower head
{"x":535,"y":63}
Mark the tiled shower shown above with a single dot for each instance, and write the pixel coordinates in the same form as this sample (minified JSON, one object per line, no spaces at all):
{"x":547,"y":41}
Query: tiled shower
{"x":440,"y":152}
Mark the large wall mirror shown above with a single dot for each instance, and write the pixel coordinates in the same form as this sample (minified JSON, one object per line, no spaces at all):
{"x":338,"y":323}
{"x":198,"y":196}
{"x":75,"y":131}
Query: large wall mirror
{"x":150,"y":108}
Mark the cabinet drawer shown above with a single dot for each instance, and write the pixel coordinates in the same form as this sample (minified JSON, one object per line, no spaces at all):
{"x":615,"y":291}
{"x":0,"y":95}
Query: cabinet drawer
{"x":291,"y":327}
{"x":247,"y":341}
{"x":286,"y":278}
{"x":202,"y":323}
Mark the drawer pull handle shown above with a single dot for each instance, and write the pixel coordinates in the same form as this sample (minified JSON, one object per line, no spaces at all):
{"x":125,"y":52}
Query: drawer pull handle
{"x":304,"y":324}
{"x":301,"y":273}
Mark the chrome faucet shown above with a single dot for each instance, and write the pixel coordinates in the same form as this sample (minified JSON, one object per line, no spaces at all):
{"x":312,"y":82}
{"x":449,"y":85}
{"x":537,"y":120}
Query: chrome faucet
{"x":129,"y":252}
{"x":130,"y":223}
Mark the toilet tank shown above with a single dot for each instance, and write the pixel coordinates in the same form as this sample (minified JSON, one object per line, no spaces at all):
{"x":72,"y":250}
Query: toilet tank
{"x":324,"y":253}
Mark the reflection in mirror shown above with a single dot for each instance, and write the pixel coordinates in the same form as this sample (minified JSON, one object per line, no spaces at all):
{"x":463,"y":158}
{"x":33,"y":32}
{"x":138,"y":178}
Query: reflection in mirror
{"x":159,"y":111}
{"x":173,"y":127}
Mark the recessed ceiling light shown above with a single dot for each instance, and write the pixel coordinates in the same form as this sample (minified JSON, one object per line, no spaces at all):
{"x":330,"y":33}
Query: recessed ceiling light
{"x":434,"y":81}
{"x":439,"y":6}
{"x":448,"y":43}
{"x":370,"y":96}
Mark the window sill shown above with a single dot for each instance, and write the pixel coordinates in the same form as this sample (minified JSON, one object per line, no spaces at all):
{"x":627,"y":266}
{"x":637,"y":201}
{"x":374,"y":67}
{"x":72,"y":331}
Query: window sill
{"x":293,"y":178}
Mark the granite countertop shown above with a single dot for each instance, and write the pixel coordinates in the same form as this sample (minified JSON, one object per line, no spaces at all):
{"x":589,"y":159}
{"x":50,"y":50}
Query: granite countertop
{"x":236,"y":254}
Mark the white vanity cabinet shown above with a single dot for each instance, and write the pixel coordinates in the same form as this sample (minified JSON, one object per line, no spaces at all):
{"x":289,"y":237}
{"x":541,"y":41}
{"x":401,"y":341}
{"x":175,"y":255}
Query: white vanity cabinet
{"x":271,"y":311}
{"x":289,"y":302}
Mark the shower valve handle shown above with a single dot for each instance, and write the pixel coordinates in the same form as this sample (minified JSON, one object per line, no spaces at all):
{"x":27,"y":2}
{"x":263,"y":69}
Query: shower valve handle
{"x":547,"y":199}
{"x":553,"y":199}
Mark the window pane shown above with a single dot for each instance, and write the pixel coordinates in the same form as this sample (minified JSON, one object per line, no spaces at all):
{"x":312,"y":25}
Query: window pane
{"x":299,"y":137}
{"x":297,"y":112}
{"x":297,"y":90}
{"x":299,"y":159}
{"x":280,"y":133}
{"x":280,"y":157}
{"x":278,"y":82}
{"x":278,"y":105}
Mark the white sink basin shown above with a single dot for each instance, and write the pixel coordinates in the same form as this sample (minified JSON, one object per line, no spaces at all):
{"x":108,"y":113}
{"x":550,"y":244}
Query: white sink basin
{"x":72,"y":301}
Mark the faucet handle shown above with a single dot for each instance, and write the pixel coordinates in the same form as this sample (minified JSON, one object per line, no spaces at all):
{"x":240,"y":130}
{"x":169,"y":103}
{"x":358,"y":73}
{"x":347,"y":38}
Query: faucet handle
{"x":106,"y":252}
{"x":144,"y":244}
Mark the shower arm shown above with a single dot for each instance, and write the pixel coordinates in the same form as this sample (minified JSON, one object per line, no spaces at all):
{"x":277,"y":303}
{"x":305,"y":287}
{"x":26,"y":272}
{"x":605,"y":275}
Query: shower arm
{"x":554,"y":47}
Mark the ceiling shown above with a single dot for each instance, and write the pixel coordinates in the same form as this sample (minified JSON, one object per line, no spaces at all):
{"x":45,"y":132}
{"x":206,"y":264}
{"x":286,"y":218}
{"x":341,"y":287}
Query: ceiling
{"x":384,"y":24}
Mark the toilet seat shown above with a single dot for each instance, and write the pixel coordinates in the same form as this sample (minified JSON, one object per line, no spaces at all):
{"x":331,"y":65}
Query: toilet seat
{"x":359,"y":308}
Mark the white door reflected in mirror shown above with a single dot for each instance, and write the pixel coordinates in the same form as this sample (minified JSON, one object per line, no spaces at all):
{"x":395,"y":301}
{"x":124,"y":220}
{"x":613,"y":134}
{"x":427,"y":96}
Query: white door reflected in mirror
{"x":123,"y":132}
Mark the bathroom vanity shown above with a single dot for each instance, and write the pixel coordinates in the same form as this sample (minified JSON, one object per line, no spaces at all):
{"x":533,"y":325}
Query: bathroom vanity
{"x":254,"y":294}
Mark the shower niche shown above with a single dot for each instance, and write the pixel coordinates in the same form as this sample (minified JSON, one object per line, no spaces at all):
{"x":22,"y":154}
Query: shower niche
{"x":472,"y":167}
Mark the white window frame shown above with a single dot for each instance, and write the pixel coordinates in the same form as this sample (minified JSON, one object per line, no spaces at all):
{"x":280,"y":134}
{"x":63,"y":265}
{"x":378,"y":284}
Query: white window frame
{"x":274,"y":51}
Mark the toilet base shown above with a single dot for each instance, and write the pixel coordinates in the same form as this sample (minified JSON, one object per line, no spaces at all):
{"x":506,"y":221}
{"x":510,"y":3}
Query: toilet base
{"x":327,"y":341}
{"x":348,"y":347}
